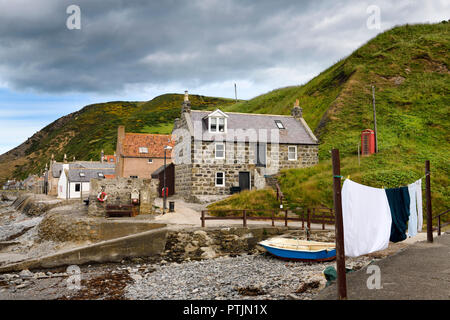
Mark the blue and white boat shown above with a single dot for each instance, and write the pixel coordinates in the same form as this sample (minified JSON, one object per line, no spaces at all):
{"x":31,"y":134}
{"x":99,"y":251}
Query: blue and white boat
{"x":301,"y":250}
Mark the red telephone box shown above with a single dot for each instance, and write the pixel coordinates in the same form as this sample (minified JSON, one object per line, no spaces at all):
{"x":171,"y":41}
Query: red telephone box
{"x":367,"y":142}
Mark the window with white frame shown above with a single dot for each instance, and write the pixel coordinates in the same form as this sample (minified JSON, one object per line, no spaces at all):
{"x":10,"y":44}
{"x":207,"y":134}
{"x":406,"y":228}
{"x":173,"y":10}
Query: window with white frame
{"x":220,"y":151}
{"x":292,"y":153}
{"x":217,"y":124}
{"x":150,"y":160}
{"x":220,"y":179}
{"x":143,"y":150}
{"x":213,"y":124}
{"x":77,"y":187}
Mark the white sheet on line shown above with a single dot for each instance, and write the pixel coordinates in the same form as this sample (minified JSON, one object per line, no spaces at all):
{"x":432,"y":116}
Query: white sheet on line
{"x":366,"y":217}
{"x":412,"y":221}
{"x":419,"y":205}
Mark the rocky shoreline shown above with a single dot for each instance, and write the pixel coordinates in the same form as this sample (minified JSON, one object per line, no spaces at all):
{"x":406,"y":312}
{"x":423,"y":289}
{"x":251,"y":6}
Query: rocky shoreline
{"x":259,"y":276}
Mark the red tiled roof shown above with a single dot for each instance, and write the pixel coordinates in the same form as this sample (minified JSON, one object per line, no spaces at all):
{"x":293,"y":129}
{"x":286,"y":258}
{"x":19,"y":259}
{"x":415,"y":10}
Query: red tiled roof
{"x":153,"y":142}
{"x":110,"y":176}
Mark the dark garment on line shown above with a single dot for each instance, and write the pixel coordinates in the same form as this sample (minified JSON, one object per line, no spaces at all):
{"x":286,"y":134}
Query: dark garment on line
{"x":399,"y":200}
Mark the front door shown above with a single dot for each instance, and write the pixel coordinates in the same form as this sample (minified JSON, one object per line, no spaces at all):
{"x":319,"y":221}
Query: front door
{"x":244,"y":180}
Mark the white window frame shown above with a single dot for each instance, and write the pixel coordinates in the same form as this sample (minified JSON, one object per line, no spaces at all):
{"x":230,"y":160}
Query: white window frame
{"x":289,"y":152}
{"x":215,"y":150}
{"x":217,"y":119}
{"x":150,"y":161}
{"x":75,"y":187}
{"x":223,"y":179}
{"x":143,"y":150}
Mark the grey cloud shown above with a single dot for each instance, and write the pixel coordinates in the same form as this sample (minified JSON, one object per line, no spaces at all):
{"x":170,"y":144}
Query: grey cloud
{"x":191,"y":42}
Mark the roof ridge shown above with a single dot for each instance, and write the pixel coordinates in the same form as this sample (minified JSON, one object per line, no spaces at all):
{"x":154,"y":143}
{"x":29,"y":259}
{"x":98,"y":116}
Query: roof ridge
{"x":148,"y":134}
{"x":251,"y":114}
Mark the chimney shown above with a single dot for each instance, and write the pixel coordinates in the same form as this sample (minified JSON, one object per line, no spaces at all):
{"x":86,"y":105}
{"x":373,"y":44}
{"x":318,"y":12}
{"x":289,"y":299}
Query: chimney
{"x":102,"y":156}
{"x":73,"y":159}
{"x":297,"y":111}
{"x":186,"y":106}
{"x":65,"y":158}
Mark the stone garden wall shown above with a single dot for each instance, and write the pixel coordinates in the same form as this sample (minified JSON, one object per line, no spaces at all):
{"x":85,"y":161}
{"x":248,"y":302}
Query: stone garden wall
{"x":119,"y":192}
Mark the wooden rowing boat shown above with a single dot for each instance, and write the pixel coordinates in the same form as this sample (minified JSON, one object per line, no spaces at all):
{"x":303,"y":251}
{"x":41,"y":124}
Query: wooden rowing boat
{"x":302,"y":250}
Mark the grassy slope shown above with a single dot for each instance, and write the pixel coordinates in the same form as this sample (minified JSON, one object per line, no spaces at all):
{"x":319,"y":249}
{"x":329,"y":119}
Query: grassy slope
{"x":85,"y":133}
{"x":409,"y":67}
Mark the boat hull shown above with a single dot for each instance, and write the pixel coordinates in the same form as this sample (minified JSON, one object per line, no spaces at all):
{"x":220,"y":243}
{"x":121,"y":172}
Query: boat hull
{"x":286,"y":254}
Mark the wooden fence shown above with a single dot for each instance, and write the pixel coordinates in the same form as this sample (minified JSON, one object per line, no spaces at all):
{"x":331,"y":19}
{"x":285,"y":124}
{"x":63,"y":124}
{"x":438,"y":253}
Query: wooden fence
{"x":320,"y":215}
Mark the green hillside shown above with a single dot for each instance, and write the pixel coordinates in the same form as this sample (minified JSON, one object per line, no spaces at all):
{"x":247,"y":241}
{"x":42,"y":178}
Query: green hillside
{"x":409,"y":67}
{"x":83,"y":134}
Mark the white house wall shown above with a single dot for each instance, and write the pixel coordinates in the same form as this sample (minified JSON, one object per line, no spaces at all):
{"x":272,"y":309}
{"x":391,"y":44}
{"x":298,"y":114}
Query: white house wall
{"x":84,"y":188}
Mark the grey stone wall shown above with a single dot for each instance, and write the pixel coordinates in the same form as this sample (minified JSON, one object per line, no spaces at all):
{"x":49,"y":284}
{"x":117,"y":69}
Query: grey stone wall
{"x":119,"y":192}
{"x":198,"y":178}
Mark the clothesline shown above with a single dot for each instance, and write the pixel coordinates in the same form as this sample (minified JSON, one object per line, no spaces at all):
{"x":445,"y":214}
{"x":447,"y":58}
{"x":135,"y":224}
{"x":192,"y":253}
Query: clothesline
{"x":373,"y":216}
{"x":348,"y":177}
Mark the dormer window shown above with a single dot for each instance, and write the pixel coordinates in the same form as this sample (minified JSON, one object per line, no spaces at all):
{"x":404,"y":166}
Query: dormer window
{"x":82,"y":174}
{"x":143,"y":150}
{"x":217,"y":122}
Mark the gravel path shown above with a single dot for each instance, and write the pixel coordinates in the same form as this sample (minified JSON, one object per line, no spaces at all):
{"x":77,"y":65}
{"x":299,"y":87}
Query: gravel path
{"x":242,"y":277}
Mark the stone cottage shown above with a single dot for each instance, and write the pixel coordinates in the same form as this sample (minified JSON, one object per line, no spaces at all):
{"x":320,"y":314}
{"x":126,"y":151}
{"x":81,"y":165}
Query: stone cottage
{"x":216,"y":152}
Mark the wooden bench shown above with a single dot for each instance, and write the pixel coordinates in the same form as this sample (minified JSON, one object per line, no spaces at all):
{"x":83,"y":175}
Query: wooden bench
{"x":119,"y":210}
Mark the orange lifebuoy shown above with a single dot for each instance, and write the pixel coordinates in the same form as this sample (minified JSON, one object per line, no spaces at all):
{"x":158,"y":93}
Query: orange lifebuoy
{"x":102,"y":196}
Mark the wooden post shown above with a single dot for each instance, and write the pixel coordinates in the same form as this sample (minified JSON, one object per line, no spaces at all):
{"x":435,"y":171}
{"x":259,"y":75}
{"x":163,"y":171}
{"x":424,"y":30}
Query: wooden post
{"x":323,"y":220}
{"x":285,"y":218}
{"x":359,"y":161}
{"x":273,"y":220}
{"x":303,"y":219}
{"x":245,"y":218}
{"x":308,"y":219}
{"x":339,"y":226}
{"x":203,"y":218}
{"x":428,"y":197}
{"x":439,"y":226}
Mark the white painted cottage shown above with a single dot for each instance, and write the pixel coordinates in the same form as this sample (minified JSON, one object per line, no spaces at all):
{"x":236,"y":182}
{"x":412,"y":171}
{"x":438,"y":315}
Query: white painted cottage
{"x":74,"y":181}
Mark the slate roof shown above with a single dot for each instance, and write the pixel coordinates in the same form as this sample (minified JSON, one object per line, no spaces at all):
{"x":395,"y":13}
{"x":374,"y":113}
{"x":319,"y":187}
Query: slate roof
{"x":156,"y":173}
{"x":153,"y":142}
{"x":295,"y":131}
{"x":74,"y":174}
{"x":58,"y":166}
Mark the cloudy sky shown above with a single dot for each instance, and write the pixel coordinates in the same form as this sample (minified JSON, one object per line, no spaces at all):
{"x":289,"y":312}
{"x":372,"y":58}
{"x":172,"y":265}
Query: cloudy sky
{"x":138,"y":49}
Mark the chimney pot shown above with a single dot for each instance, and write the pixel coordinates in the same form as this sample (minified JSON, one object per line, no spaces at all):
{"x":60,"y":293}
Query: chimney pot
{"x":297,"y":111}
{"x":186,"y":106}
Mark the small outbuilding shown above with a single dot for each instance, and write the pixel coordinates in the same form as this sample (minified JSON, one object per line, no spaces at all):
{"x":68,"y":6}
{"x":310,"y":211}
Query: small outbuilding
{"x":170,"y":179}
